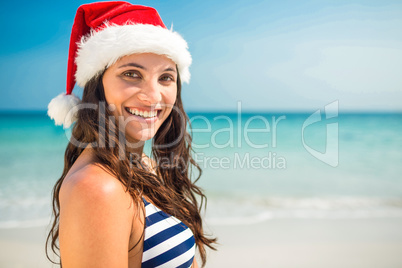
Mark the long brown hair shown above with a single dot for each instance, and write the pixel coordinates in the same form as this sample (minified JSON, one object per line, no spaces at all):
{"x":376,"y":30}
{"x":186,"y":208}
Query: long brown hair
{"x":170,"y":187}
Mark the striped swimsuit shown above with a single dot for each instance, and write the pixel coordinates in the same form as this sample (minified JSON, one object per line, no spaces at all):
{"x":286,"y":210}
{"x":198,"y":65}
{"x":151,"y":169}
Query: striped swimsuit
{"x":167,"y":241}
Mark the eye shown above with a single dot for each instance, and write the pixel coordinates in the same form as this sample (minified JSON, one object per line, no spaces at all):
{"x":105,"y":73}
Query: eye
{"x":167,"y":77}
{"x":131,"y":74}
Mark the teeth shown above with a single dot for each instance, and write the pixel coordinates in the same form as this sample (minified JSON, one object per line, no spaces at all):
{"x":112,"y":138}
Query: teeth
{"x":145,"y":114}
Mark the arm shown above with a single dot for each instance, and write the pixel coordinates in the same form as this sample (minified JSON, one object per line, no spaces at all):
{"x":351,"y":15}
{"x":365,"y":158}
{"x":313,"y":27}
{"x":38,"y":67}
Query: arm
{"x":95,"y":220}
{"x":194,"y":265}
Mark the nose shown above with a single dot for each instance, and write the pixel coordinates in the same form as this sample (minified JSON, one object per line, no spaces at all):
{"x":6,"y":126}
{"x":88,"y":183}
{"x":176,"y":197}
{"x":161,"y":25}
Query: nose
{"x":150,"y":93}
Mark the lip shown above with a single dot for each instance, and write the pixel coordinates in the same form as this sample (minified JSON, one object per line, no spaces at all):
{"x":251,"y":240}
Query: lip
{"x":150,"y":120}
{"x":144,"y":109}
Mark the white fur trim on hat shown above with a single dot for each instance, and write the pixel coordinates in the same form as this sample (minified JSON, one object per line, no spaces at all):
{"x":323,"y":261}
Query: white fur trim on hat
{"x":101,"y":49}
{"x":63,"y":109}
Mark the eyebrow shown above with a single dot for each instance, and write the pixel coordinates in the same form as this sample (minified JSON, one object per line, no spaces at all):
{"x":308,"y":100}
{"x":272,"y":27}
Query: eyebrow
{"x":132,"y":64}
{"x":170,"y":69}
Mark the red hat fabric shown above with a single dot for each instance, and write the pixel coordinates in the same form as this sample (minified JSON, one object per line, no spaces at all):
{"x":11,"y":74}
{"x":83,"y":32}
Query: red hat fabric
{"x":102,"y":33}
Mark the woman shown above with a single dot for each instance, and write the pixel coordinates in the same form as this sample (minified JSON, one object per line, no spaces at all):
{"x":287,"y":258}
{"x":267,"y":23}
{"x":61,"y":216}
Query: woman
{"x":113,"y":206}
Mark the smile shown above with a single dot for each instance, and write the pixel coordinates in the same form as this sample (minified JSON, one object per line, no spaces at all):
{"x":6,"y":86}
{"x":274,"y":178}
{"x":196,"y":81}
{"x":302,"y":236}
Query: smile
{"x":143,"y":114}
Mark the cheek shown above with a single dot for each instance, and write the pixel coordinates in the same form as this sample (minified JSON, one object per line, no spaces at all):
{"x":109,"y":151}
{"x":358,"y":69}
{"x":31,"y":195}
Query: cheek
{"x":170,"y":100}
{"x":170,"y":96}
{"x":107,"y":88}
{"x":114,"y":93}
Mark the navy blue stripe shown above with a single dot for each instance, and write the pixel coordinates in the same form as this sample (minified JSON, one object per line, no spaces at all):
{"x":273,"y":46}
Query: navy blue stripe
{"x":156,"y":217}
{"x":170,"y":254}
{"x":187,"y":264}
{"x":164,"y":235}
{"x":145,"y":201}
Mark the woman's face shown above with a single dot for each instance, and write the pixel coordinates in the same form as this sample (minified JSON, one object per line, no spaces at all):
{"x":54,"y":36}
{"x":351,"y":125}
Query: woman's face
{"x":143,"y":89}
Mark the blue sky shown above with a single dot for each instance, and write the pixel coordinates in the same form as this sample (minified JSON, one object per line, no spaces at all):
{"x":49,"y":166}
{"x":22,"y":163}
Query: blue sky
{"x":270,"y":55}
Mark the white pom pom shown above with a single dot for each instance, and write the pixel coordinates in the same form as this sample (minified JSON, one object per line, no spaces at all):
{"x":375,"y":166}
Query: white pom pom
{"x":63,"y":109}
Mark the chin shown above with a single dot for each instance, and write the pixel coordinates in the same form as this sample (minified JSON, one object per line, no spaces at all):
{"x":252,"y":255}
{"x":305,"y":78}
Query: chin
{"x":140,"y":136}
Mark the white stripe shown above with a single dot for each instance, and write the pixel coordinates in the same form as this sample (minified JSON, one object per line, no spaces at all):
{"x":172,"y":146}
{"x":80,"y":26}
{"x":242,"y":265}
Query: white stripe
{"x":166,"y":245}
{"x":160,"y":226}
{"x":179,"y":260}
{"x":151,"y":209}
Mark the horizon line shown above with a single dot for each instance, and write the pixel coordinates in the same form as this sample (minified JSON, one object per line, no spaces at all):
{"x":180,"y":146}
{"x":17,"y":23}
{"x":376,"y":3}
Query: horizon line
{"x":284,"y":111}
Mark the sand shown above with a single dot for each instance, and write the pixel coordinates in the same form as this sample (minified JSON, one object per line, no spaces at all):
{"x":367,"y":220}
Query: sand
{"x":23,"y":247}
{"x":275,"y":243}
{"x":310,"y":243}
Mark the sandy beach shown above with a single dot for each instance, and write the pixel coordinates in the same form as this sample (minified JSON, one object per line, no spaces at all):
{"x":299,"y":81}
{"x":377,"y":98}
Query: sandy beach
{"x":285,"y":243}
{"x":276,"y":243}
{"x":23,"y":247}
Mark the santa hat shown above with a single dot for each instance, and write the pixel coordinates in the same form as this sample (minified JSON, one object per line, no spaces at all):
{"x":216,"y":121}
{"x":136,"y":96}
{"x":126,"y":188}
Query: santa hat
{"x":104,"y":32}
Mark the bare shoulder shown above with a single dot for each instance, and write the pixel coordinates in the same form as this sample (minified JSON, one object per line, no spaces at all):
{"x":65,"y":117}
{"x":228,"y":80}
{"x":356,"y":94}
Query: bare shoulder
{"x":93,"y":191}
{"x":91,"y":183}
{"x":96,"y":215}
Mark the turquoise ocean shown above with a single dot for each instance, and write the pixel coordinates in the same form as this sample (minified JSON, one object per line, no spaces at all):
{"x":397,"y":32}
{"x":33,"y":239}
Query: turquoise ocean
{"x":256,"y":166}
